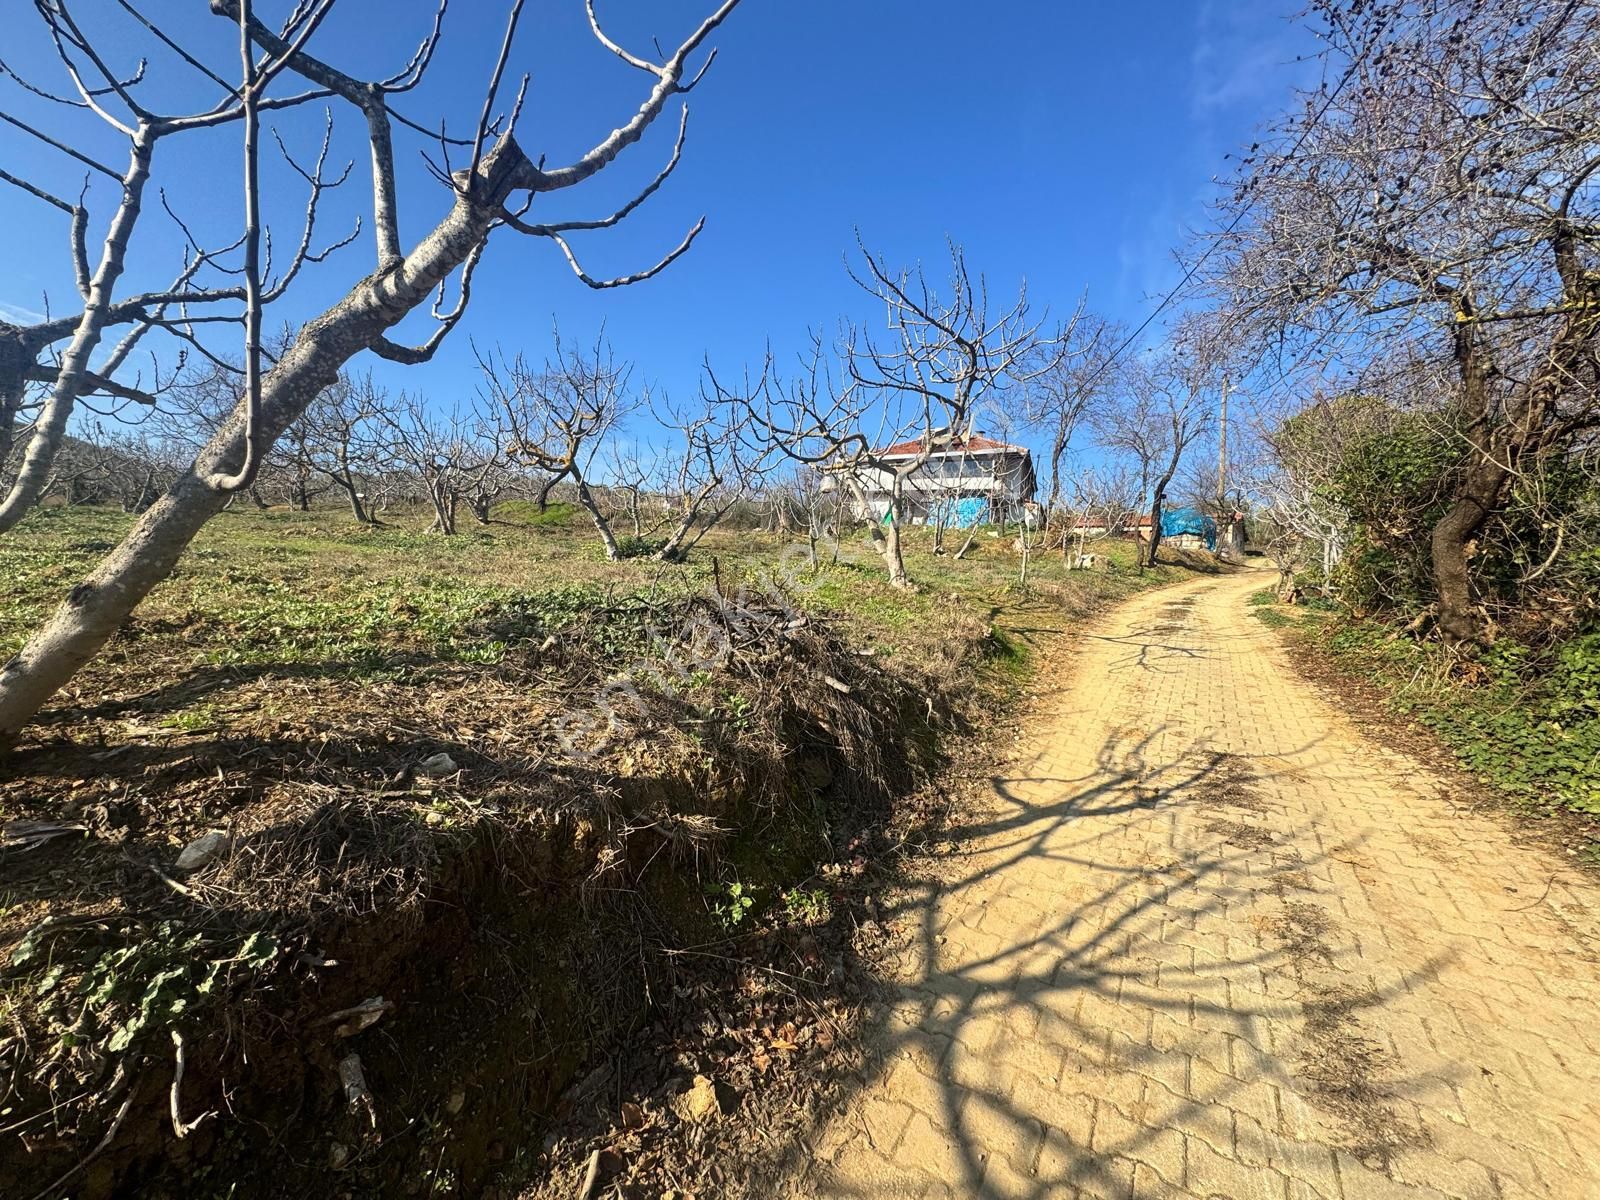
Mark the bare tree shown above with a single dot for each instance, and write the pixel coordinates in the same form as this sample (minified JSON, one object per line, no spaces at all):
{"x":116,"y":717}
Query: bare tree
{"x":635,"y":474}
{"x":495,"y":174}
{"x":713,"y":469}
{"x":343,"y":435}
{"x":1099,"y":500}
{"x":118,"y":100}
{"x":1080,"y":372}
{"x":897,"y":399}
{"x":557,"y":417}
{"x":1439,"y":198}
{"x":1160,"y":413}
{"x":438,"y":447}
{"x":488,"y":480}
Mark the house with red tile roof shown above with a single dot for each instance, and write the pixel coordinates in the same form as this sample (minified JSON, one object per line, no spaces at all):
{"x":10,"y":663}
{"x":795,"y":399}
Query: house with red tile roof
{"x":962,"y":479}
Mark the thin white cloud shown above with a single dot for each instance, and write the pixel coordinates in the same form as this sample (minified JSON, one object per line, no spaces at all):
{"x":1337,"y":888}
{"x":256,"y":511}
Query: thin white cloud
{"x":1243,"y":56}
{"x":16,"y":314}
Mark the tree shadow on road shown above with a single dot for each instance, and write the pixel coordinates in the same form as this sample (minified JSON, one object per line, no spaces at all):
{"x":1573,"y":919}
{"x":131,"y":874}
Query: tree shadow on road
{"x":1126,"y":990}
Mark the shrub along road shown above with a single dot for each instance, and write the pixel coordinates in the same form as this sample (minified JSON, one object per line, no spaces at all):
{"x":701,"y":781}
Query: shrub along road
{"x":1213,"y":941}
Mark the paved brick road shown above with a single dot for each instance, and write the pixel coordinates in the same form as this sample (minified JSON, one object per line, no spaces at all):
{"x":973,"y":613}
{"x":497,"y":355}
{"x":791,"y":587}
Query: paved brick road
{"x":1213,"y":942}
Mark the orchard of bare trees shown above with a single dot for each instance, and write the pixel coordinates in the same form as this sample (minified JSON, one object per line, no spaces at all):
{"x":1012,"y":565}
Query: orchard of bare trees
{"x":1404,"y":267}
{"x":482,"y":183}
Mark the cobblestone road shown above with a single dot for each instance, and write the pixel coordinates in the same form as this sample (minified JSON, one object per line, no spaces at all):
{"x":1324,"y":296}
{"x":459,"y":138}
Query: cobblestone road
{"x":1215,"y":942}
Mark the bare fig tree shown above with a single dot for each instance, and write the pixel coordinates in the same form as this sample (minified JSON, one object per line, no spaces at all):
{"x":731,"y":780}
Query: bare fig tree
{"x":341,"y":437}
{"x":1098,"y":501}
{"x":438,"y":447}
{"x":635,"y":471}
{"x":489,"y":186}
{"x":711,"y":470}
{"x":558,"y":416}
{"x":117,"y":98}
{"x":1057,"y":399}
{"x":1438,"y":196}
{"x":875,"y":423}
{"x":1161,"y":411}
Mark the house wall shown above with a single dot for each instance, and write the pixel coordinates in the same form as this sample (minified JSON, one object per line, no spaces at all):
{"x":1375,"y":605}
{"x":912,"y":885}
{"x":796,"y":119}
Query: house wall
{"x":1000,"y":481}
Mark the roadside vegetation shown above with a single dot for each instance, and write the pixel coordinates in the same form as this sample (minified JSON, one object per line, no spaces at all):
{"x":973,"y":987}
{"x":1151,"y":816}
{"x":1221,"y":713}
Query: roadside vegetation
{"x":1523,"y":723}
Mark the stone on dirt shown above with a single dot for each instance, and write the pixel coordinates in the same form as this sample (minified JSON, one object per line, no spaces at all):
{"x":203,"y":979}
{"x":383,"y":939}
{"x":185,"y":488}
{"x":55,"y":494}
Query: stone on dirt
{"x":202,"y":851}
{"x":437,"y":766}
{"x":706,"y":1099}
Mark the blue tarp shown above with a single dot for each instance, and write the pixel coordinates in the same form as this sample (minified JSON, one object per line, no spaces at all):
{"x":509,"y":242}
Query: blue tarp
{"x":1178,"y":521}
{"x":960,"y":513}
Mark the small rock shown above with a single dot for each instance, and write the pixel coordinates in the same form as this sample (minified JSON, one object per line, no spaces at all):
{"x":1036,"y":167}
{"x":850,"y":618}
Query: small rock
{"x":201,"y":851}
{"x":456,"y":1102}
{"x":433,"y":818}
{"x":338,"y":1156}
{"x":705,"y":1099}
{"x":437,"y":766}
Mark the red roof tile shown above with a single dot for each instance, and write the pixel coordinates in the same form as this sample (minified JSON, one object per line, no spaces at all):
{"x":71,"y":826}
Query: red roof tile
{"x":977,"y":443}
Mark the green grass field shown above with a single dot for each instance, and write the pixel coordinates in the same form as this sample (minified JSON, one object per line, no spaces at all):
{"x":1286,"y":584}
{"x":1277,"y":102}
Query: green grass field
{"x":290,"y":588}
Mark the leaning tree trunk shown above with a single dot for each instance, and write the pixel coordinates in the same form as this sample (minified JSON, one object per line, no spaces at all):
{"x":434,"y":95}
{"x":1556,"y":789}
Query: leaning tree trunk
{"x":601,"y":524}
{"x":549,"y":486}
{"x":352,"y":494}
{"x":1159,"y":496}
{"x":674,"y":549}
{"x":94,"y":609}
{"x":1155,"y":525}
{"x":1496,"y":453}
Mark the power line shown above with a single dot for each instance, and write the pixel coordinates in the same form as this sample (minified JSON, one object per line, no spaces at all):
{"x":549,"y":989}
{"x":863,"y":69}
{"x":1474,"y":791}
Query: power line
{"x":1232,"y":225}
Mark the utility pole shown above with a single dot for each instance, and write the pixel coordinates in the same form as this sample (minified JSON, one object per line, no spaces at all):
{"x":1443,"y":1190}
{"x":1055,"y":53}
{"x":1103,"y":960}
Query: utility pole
{"x":1222,"y":451}
{"x":1226,"y":523}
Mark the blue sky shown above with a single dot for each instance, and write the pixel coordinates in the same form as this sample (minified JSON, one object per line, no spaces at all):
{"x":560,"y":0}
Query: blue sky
{"x":1072,"y":144}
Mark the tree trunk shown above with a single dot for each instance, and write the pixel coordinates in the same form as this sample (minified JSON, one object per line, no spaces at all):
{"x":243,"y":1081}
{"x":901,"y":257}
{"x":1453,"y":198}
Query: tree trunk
{"x":1159,"y":495}
{"x":1155,"y":526}
{"x":675,"y":549}
{"x":443,"y":498}
{"x":893,"y":558}
{"x":146,"y":496}
{"x":549,"y":486}
{"x":51,"y":427}
{"x":352,"y":496}
{"x":1476,"y":498}
{"x":94,"y":609}
{"x":16,"y":356}
{"x":585,"y":498}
